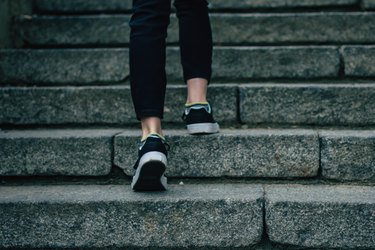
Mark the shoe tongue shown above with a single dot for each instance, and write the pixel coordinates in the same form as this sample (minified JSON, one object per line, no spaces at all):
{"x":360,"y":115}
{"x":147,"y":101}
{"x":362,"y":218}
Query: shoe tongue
{"x":197,"y":106}
{"x":153,"y":135}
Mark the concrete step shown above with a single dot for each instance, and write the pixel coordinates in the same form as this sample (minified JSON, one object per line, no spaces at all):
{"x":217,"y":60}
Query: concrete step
{"x":348,"y":155}
{"x":321,"y":217}
{"x":65,"y":152}
{"x":274,"y":28}
{"x":254,"y":104}
{"x":315,"y":104}
{"x":72,"y":6}
{"x":232,"y":153}
{"x":87,"y":66}
{"x":114,"y":216}
{"x":359,"y":60}
{"x":249,"y":153}
{"x":187,"y":216}
{"x":108,"y":105}
{"x":343,"y":155}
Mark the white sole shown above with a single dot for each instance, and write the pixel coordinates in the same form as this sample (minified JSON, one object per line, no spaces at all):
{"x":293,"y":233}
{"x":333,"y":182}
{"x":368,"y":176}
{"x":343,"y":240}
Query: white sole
{"x":203,"y":128}
{"x":149,"y":175}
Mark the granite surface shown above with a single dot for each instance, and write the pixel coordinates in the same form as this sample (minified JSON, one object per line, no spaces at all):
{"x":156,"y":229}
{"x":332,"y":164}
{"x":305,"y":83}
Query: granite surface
{"x":243,"y":153}
{"x":315,"y":104}
{"x":56,"y":152}
{"x":185,"y":216}
{"x":322,"y":217}
{"x":125,"y":5}
{"x":110,"y":65}
{"x":359,"y":60}
{"x":348,"y":155}
{"x":241,"y":29}
{"x":63,"y":66}
{"x":108,"y":105}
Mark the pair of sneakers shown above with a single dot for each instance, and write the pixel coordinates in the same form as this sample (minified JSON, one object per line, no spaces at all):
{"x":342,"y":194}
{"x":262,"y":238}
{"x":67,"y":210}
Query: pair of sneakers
{"x":153,"y":150}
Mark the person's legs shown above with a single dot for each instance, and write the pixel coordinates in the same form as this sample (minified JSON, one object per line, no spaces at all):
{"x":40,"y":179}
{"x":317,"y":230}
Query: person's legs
{"x":196,"y":58}
{"x":148,"y":25}
{"x":195,"y":38}
{"x":196,"y":46}
{"x":197,"y":90}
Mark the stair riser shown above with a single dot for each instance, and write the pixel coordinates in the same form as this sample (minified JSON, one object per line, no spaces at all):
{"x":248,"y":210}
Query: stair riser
{"x":344,"y":155}
{"x":227,"y":29}
{"x":60,"y":152}
{"x":336,"y":217}
{"x":348,"y":155}
{"x":359,"y":60}
{"x":98,"y":66}
{"x":307,"y":104}
{"x":125,"y":5}
{"x":191,"y":216}
{"x":259,"y":153}
{"x":277,"y":104}
{"x":101,"y":105}
{"x":113,"y":216}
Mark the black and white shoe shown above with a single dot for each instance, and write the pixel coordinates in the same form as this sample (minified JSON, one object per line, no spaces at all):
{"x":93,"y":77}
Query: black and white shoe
{"x":151,"y":165}
{"x":199,"y":119}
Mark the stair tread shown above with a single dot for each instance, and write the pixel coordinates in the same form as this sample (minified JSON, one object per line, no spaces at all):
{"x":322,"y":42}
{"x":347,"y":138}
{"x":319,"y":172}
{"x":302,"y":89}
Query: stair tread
{"x":320,"y":216}
{"x":291,"y":104}
{"x":115,"y":216}
{"x":332,"y":216}
{"x":275,"y":153}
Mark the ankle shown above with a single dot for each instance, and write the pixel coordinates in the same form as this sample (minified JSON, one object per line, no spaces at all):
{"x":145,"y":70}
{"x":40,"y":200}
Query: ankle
{"x":151,"y":125}
{"x":197,"y":90}
{"x":195,"y":103}
{"x":146,"y":135}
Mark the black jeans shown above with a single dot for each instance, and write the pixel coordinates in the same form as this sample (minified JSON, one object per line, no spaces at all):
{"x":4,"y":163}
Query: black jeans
{"x":147,"y":54}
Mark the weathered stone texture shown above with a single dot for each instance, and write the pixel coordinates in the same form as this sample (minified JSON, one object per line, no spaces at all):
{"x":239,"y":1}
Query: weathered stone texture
{"x":125,"y":5}
{"x":63,"y":66}
{"x":56,"y":152}
{"x":245,"y":153}
{"x":348,"y":154}
{"x":276,"y":62}
{"x":85,"y":66}
{"x":359,"y":60}
{"x":66,"y":105}
{"x":82,"y":5}
{"x":293,"y":28}
{"x":74,"y":30}
{"x":186,"y":216}
{"x":236,"y":63}
{"x":227,"y":28}
{"x":100,"y":105}
{"x":323,"y":217}
{"x":279,"y":3}
{"x":321,"y":104}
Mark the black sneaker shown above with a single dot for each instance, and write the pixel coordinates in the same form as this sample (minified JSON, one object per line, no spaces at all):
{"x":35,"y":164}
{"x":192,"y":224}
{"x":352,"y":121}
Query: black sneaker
{"x":151,"y":165}
{"x":199,"y":119}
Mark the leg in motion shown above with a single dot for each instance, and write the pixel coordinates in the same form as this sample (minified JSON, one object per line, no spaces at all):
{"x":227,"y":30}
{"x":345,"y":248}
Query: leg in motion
{"x":148,"y":25}
{"x":196,"y":59}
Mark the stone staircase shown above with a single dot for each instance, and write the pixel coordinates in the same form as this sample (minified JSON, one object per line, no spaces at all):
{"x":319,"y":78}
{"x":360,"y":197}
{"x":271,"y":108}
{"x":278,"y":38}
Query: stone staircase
{"x":293,"y":167}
